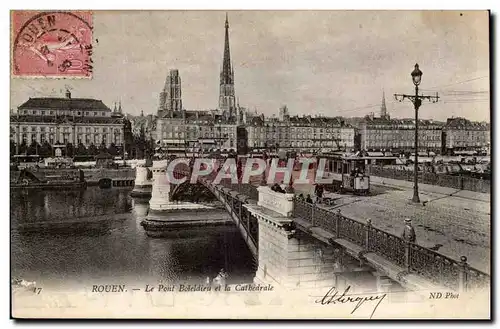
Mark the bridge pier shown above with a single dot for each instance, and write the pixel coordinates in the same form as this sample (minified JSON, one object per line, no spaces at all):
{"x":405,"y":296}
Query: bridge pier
{"x":287,"y":257}
{"x":292,"y":260}
{"x":142,"y":183}
{"x":167,"y":217}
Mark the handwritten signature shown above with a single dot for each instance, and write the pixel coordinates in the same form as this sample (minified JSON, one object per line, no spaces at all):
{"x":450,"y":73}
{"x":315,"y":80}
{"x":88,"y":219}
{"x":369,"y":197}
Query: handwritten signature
{"x":333,"y":296}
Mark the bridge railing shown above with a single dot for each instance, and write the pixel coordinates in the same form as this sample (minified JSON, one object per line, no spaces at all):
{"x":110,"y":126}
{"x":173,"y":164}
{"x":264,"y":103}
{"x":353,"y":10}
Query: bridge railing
{"x":412,"y":257}
{"x":245,"y":189}
{"x":445,"y":180}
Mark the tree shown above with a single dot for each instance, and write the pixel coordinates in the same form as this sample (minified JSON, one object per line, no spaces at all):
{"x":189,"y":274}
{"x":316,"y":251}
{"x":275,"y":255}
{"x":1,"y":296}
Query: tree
{"x":81,"y":149}
{"x":33,"y":148}
{"x":23,"y":147}
{"x":12,"y":147}
{"x":70,"y":150}
{"x":45,"y":150}
{"x":102,"y":147}
{"x":112,"y":149}
{"x":92,"y":150}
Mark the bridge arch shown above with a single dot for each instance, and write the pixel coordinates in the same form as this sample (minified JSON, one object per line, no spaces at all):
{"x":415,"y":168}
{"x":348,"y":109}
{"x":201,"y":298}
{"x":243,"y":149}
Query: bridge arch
{"x":166,"y":195}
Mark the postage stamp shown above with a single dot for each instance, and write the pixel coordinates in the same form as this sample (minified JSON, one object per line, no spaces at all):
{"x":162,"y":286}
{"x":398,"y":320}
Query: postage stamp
{"x":52,"y":44}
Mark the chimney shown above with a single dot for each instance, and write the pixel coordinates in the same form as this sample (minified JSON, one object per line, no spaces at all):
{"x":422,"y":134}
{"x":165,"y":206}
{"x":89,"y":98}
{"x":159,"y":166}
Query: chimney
{"x":68,"y":94}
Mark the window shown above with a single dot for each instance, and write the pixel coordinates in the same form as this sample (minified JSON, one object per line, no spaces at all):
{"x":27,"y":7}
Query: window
{"x":34,"y":112}
{"x":33,"y":129}
{"x":51,"y":112}
{"x":25,"y":129}
{"x":43,"y":112}
{"x":87,"y":130}
{"x":86,"y":113}
{"x":42,"y":129}
{"x":78,"y":112}
{"x":95,"y":114}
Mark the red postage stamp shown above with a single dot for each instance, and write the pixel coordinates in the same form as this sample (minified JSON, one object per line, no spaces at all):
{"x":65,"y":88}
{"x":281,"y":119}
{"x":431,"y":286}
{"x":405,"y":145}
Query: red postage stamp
{"x":52,"y":44}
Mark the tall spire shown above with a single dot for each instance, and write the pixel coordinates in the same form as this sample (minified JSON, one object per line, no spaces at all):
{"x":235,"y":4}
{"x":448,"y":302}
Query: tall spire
{"x":226,"y":75}
{"x":383,"y":108}
{"x":227,"y":95}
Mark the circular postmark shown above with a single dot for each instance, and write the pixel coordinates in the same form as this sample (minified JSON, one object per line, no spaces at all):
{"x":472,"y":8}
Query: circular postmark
{"x":52,"y":44}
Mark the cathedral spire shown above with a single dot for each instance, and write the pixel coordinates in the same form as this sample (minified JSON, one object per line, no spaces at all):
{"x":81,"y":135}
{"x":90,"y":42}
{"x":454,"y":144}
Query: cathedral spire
{"x":383,"y":108}
{"x":226,"y":75}
{"x":227,"y":95}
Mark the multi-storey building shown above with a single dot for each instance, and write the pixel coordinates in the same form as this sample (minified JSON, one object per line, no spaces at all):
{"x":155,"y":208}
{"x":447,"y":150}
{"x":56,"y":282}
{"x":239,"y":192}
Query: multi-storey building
{"x":144,"y":125}
{"x":300,"y":133}
{"x":460,"y":134}
{"x":63,"y":121}
{"x":399,"y":135}
{"x":386,"y":134}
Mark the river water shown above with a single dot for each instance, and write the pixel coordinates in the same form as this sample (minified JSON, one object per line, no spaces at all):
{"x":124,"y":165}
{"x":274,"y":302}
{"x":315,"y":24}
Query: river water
{"x":81,"y":238}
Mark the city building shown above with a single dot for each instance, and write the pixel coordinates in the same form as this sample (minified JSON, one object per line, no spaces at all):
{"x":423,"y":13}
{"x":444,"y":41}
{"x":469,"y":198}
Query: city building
{"x":398,"y":135}
{"x":144,"y":125}
{"x":300,"y":133}
{"x":460,"y":134}
{"x":62,"y":121}
{"x":140,"y":134}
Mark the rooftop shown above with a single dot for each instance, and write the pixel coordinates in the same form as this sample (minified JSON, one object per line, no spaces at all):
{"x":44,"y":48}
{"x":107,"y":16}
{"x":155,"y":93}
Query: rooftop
{"x":64,"y":104}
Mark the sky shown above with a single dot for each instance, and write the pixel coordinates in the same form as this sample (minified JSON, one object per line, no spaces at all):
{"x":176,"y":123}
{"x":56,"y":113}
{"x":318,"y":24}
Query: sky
{"x":332,"y":63}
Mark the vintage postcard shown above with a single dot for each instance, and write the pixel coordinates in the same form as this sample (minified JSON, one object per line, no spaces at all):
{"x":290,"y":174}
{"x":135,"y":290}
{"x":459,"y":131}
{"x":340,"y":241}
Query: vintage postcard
{"x":250,"y":164}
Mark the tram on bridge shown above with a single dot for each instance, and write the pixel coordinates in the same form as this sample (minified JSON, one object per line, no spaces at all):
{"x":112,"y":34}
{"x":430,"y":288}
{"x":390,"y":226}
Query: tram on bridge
{"x":348,"y":172}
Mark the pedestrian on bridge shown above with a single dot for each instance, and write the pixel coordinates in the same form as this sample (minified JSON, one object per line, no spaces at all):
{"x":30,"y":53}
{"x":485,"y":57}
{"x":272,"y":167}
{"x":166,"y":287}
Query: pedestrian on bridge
{"x":319,"y":193}
{"x":409,"y":232}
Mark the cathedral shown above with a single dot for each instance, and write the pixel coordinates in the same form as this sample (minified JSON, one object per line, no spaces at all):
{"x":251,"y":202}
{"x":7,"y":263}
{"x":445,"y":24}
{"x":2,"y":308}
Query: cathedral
{"x":178,"y":128}
{"x":228,"y":110}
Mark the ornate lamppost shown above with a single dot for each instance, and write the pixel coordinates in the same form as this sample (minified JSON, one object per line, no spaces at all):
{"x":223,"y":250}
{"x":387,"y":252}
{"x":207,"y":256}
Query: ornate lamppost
{"x":416,"y":76}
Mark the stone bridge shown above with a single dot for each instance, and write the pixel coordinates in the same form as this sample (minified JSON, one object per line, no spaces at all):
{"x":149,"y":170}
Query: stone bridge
{"x":299,"y":245}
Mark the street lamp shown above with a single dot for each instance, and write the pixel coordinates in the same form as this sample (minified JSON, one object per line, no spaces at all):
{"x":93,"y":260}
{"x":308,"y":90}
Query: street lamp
{"x":416,"y":76}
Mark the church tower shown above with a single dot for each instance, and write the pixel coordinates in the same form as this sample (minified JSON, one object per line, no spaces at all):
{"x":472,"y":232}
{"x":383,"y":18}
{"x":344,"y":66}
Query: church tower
{"x":226,"y":95}
{"x":171,"y":96}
